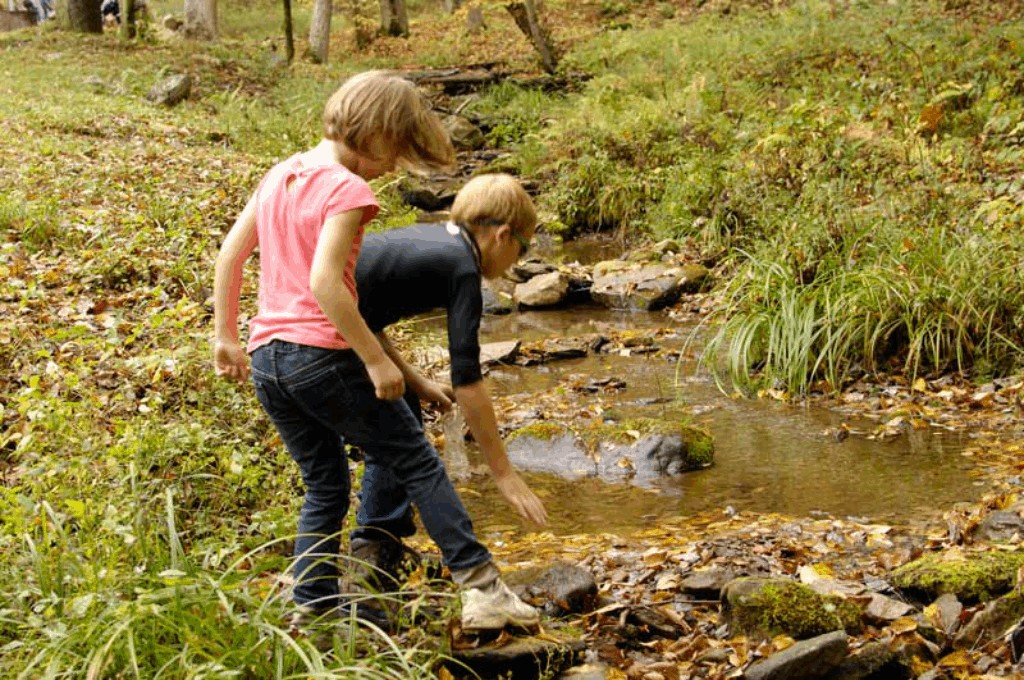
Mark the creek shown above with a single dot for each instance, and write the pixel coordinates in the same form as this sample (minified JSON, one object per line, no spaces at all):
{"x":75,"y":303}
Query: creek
{"x":770,"y":456}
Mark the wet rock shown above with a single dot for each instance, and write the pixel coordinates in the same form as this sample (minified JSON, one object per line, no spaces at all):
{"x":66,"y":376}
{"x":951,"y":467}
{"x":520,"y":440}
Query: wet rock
{"x":640,"y":451}
{"x":496,"y":302}
{"x":1001,"y":526}
{"x":707,"y":585}
{"x":883,"y":610}
{"x":805,"y":660}
{"x":656,"y":455}
{"x":546,"y":290}
{"x":992,"y":622}
{"x":498,"y":352}
{"x":652,"y":623}
{"x":171,"y":90}
{"x":559,"y":589}
{"x":431,"y":197}
{"x":522,"y":657}
{"x":555,"y":349}
{"x":464,"y":135}
{"x":867,"y":662}
{"x":550,"y":447}
{"x":524,"y":271}
{"x":695,"y":277}
{"x":638,"y":287}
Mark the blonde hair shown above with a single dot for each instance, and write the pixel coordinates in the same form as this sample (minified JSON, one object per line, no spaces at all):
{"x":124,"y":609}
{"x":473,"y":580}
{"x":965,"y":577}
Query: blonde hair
{"x":491,"y":200}
{"x":379,"y":106}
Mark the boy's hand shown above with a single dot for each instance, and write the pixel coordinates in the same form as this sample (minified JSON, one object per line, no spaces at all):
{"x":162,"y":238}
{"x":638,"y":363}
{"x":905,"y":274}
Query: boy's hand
{"x":520,"y":497}
{"x":230,"y":360}
{"x":387,"y":379}
{"x":436,"y":393}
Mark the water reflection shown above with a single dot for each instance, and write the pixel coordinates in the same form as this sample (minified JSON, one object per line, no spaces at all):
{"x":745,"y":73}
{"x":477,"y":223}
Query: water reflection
{"x":770,"y":456}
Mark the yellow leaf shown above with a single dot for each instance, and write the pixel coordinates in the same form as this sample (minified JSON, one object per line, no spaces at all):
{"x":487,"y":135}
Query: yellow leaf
{"x":958,"y":659}
{"x":920,"y":385}
{"x":76,"y":508}
{"x":904,"y":624}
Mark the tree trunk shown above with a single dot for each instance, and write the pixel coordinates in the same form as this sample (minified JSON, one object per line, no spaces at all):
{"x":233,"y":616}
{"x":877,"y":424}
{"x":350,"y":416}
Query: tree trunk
{"x":451,"y":5}
{"x":394,"y":20}
{"x":289,"y":32}
{"x":81,"y":15}
{"x":128,"y":19}
{"x":320,"y":32}
{"x":528,"y":17}
{"x":200,"y":19}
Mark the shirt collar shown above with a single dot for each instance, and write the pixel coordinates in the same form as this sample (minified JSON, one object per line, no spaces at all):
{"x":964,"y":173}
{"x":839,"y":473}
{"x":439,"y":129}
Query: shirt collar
{"x":456,"y":229}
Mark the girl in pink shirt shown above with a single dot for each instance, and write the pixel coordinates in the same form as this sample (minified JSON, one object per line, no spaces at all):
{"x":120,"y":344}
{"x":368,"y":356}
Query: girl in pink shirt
{"x":320,"y":374}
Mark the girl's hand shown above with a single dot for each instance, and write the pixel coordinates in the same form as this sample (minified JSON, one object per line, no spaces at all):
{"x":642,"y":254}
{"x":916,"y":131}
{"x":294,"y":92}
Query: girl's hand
{"x":230,"y":360}
{"x":435,"y":393}
{"x":387,"y":379}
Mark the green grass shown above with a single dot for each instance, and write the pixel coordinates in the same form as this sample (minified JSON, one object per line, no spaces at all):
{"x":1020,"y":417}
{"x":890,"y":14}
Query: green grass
{"x":858,"y":235}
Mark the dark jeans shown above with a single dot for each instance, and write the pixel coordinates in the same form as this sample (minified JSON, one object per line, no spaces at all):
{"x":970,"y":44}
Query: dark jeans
{"x":385,"y":511}
{"x":317,"y":396}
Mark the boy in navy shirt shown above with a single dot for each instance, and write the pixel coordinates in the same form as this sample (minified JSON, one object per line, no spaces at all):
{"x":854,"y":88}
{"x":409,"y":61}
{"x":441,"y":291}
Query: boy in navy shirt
{"x":411,"y":270}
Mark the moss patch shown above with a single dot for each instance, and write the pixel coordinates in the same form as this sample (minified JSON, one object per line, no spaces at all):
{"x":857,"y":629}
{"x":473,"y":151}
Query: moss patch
{"x":972,"y":577}
{"x":545,"y":430}
{"x":796,"y":610}
{"x":700,"y":448}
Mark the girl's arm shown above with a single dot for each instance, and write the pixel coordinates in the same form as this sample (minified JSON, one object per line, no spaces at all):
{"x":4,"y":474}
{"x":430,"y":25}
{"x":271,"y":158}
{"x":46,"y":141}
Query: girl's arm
{"x":424,"y":388}
{"x":327,"y":283}
{"x":229,"y":357}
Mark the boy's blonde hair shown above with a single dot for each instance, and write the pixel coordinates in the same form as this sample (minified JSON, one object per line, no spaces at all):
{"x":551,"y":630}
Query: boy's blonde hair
{"x":491,"y":200}
{"x":379,"y":106}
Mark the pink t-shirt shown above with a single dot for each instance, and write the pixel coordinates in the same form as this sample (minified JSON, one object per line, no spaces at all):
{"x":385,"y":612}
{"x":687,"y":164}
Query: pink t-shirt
{"x":294,"y":201}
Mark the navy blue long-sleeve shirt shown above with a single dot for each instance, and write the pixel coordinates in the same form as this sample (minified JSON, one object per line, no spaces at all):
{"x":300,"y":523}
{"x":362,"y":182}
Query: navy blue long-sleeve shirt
{"x":411,"y":270}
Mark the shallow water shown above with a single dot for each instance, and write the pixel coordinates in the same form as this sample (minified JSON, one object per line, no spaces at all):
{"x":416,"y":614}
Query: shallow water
{"x":770,"y":456}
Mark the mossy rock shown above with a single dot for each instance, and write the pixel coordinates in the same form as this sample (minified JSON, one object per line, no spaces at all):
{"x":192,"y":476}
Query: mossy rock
{"x":767,"y":607}
{"x":696,"y":444}
{"x":972,"y":577}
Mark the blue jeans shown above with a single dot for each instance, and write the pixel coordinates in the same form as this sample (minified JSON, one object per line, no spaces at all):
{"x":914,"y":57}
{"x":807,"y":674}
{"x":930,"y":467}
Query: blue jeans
{"x":385,"y":511}
{"x":315,"y":397}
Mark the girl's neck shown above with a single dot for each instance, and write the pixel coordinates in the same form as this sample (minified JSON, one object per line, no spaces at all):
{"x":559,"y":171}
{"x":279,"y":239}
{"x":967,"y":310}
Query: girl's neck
{"x":327,"y":152}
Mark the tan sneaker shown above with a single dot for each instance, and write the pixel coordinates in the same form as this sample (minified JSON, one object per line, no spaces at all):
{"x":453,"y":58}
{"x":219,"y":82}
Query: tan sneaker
{"x":494,"y":606}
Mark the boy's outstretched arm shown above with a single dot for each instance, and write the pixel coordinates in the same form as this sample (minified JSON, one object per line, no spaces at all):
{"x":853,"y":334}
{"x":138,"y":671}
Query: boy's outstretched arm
{"x":229,"y":357}
{"x":479,"y":413}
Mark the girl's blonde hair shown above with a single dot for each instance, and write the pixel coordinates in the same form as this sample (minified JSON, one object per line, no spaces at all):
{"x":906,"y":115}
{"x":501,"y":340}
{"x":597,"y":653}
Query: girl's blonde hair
{"x":492,"y":200}
{"x":381,"y":107}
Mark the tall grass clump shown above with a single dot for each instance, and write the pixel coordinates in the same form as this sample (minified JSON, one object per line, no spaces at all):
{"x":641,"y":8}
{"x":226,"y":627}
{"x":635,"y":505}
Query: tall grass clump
{"x":946,"y":300}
